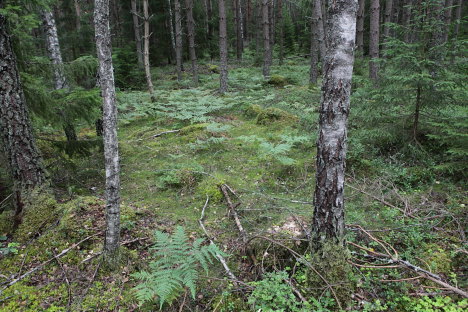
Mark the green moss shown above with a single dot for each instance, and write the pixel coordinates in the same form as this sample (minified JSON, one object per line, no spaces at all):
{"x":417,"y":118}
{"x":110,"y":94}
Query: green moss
{"x":211,"y":187}
{"x":273,"y":114}
{"x":278,"y":81}
{"x":193,"y":128}
{"x":213,"y":68}
{"x":253,"y":110}
{"x":331,"y":261}
{"x":6,"y":222}
{"x":39,"y":212}
{"x":27,"y":298}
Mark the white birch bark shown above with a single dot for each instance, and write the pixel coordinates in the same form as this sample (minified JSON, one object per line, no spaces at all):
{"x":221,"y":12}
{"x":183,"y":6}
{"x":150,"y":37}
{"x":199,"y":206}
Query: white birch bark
{"x":111,"y":146}
{"x":53,"y":48}
{"x":149,"y":80}
{"x":328,"y":221}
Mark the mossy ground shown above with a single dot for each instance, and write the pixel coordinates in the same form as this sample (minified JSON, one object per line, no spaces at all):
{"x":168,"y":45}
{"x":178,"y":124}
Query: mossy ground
{"x":166,"y":180}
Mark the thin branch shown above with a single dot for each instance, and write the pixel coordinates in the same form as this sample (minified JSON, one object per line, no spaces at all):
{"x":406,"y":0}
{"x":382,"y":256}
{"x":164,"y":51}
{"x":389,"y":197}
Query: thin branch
{"x":165,"y":132}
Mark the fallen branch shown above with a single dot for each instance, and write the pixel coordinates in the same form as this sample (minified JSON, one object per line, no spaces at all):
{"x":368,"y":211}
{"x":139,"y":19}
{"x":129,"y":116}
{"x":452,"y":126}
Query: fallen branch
{"x":220,"y":258}
{"x":165,"y":132}
{"x":40,"y":266}
{"x":386,"y":203}
{"x":233,"y":212}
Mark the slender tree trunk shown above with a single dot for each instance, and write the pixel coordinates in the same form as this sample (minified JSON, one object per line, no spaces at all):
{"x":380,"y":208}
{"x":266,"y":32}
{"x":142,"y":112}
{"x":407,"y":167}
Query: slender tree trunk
{"x":111,"y":146}
{"x":328,"y":222}
{"x":171,"y":28}
{"x":60,"y":82}
{"x":387,"y":17}
{"x":136,"y":29}
{"x":360,"y":27}
{"x":16,"y":133}
{"x":178,"y":38}
{"x":281,"y":31}
{"x":223,"y":49}
{"x":374,"y":39}
{"x":191,"y":38}
{"x":407,"y":20}
{"x":314,"y":42}
{"x":238,"y":28}
{"x":416,"y":114}
{"x":149,"y":80}
{"x":248,"y":21}
{"x":266,"y":38}
{"x":458,"y":11}
{"x":209,"y":13}
{"x":272,"y":22}
{"x":78,"y":15}
{"x":447,"y":18}
{"x":321,"y":30}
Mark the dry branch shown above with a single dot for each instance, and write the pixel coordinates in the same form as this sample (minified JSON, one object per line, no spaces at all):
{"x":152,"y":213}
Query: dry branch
{"x":165,"y":132}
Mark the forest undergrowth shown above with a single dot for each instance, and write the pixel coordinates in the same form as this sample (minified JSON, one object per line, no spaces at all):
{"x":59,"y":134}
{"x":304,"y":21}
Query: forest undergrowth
{"x":196,"y":157}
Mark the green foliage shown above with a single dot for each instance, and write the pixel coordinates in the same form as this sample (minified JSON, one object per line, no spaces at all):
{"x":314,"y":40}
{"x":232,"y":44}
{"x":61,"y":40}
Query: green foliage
{"x":175,"y":267}
{"x":128,"y":75}
{"x":10,"y":248}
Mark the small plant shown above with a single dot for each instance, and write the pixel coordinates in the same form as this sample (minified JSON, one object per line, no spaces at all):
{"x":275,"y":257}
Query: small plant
{"x":11,"y":248}
{"x":175,"y":267}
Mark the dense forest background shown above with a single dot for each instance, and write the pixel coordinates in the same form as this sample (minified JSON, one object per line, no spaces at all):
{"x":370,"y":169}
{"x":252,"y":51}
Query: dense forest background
{"x":218,"y":131}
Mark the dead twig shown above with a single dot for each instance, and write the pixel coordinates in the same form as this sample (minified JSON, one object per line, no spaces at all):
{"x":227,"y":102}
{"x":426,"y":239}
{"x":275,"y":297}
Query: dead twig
{"x":165,"y":132}
{"x":220,"y":257}
{"x":66,"y":280}
{"x":40,"y":266}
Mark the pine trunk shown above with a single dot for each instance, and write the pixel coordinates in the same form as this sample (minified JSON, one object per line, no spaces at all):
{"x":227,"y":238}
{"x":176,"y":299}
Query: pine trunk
{"x":171,"y":28}
{"x":191,"y":38}
{"x":328,"y":221}
{"x":374,"y":39}
{"x":223,"y":49}
{"x":18,"y":141}
{"x":149,"y":80}
{"x":136,"y":29}
{"x":238,"y":29}
{"x":266,"y":38}
{"x":178,"y":38}
{"x":360,"y":27}
{"x":111,"y":146}
{"x":209,"y":13}
{"x":408,"y":4}
{"x":387,"y":17}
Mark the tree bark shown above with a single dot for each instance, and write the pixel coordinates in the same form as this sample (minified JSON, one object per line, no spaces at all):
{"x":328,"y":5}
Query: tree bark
{"x":407,"y":19}
{"x":223,"y":50}
{"x":178,"y":38}
{"x":374,"y":39}
{"x":78,"y":15}
{"x":328,"y":221}
{"x":238,"y":28}
{"x":458,"y":11}
{"x":360,"y":27}
{"x":209,"y":13}
{"x":149,"y":80}
{"x":266,"y":38}
{"x":136,"y":29}
{"x":281,"y":31}
{"x":447,"y":18}
{"x":387,"y":17}
{"x":191,"y":38}
{"x":24,"y":159}
{"x":171,"y":28}
{"x":111,"y":146}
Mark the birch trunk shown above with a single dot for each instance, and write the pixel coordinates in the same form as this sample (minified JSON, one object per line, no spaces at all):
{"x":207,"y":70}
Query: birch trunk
{"x":223,"y":49}
{"x":328,"y":221}
{"x":17,"y":139}
{"x":360,"y":27}
{"x":266,"y":38}
{"x":149,"y":80}
{"x":136,"y":29}
{"x":111,"y":146}
{"x":171,"y":28}
{"x":60,"y":82}
{"x":178,"y":38}
{"x":191,"y":38}
{"x":374,"y":39}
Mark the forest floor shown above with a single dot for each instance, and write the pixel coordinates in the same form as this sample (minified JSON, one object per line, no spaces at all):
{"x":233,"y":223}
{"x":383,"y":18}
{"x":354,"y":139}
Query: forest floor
{"x":259,"y":140}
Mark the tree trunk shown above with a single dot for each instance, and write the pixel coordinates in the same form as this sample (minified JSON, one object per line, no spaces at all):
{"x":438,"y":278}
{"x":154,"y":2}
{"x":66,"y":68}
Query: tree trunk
{"x":209,"y":13}
{"x":239,"y":29}
{"x":149,"y":80}
{"x":18,"y":141}
{"x":191,"y":38}
{"x":458,"y":18}
{"x":60,"y":82}
{"x":315,"y":41}
{"x":417,"y":109}
{"x":136,"y":28}
{"x":111,"y":146}
{"x":321,"y":30}
{"x":272,"y":22}
{"x":178,"y":38}
{"x":328,"y":222}
{"x":171,"y":28}
{"x":360,"y":27}
{"x":374,"y":39}
{"x":78,"y":15}
{"x":407,"y":20}
{"x":223,"y":49}
{"x":266,"y":38}
{"x":387,"y":17}
{"x":447,"y":18}
{"x":281,"y":31}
